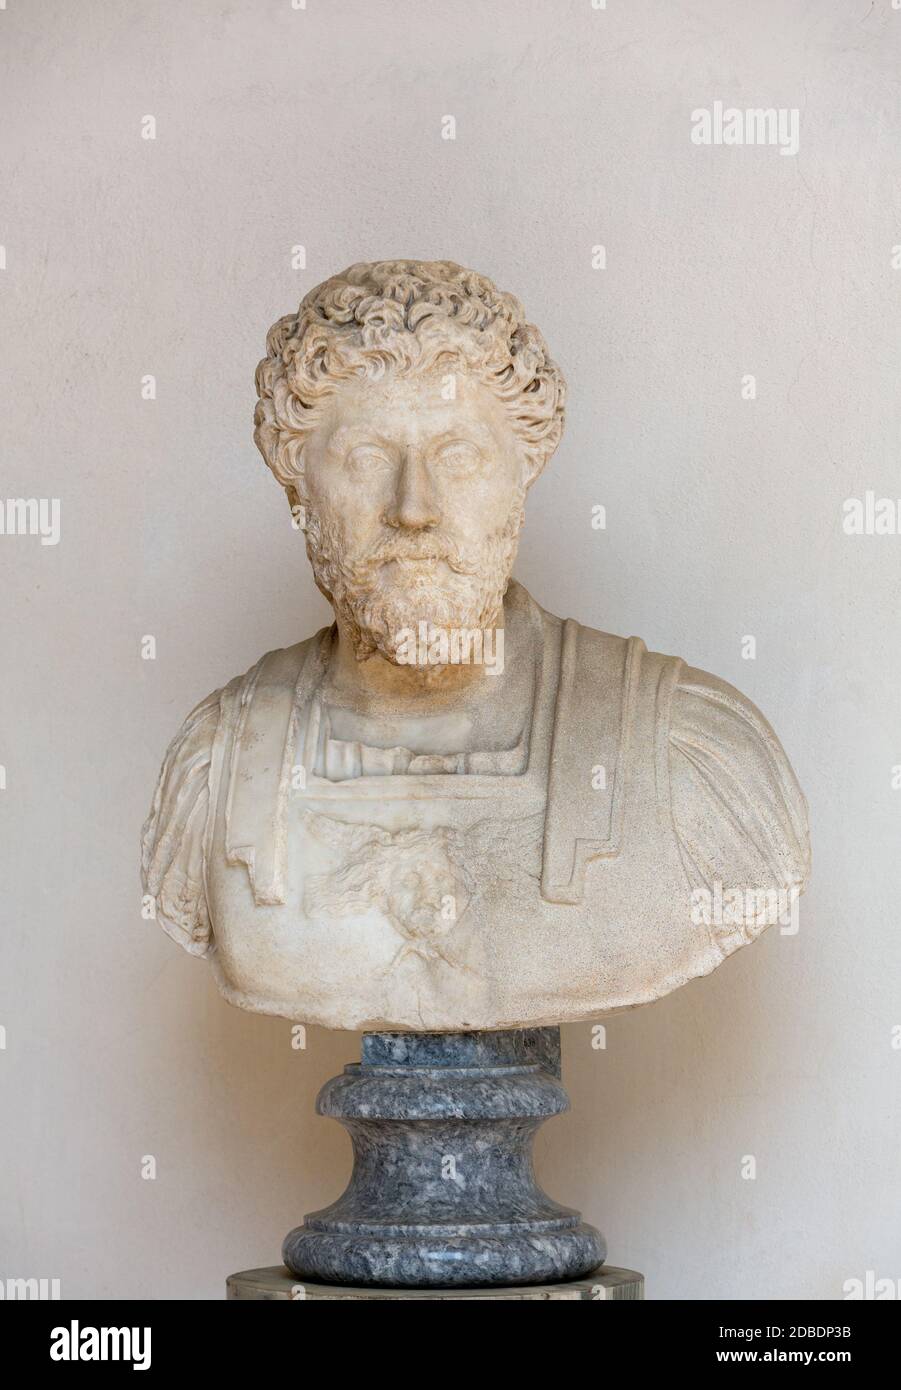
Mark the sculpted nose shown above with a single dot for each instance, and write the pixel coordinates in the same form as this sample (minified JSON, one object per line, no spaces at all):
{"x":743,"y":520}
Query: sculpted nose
{"x":414,"y":504}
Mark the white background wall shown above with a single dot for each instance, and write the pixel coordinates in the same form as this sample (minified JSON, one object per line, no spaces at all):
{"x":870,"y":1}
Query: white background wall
{"x":172,"y":257}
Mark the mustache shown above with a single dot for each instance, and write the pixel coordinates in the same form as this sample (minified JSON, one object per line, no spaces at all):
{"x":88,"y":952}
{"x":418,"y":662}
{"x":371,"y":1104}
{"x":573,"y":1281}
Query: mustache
{"x":422,"y":548}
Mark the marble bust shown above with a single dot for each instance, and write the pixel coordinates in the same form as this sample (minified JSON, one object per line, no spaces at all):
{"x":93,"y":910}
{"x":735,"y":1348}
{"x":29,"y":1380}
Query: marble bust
{"x":452,"y":810}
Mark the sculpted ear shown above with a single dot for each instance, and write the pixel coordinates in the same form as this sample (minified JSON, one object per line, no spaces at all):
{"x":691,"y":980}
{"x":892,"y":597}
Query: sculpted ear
{"x":298,"y":511}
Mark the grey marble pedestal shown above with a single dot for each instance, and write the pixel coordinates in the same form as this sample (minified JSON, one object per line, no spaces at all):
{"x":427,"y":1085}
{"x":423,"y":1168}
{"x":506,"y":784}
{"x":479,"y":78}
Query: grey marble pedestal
{"x":603,"y":1285}
{"x":443,"y":1192}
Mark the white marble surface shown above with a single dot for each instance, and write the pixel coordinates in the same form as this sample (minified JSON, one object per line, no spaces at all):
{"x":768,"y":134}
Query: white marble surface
{"x":361,"y":840}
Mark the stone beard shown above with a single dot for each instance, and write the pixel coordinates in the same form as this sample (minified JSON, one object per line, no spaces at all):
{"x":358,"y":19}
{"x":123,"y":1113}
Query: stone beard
{"x":352,"y":845}
{"x":376,"y":611}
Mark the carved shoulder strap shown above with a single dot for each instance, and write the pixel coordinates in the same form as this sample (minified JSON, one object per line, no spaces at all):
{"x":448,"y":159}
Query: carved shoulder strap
{"x":265,"y":719}
{"x":589,"y":756}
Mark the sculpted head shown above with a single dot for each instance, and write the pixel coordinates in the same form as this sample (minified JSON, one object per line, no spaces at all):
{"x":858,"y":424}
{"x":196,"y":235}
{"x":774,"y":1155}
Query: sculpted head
{"x":406,"y":408}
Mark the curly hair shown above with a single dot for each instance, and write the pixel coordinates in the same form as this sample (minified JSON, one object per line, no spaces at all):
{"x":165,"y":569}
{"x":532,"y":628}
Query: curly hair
{"x":403,"y":316}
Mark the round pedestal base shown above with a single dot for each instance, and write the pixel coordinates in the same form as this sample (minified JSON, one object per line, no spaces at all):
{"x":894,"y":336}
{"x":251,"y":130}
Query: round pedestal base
{"x":443,"y":1193}
{"x":602,"y":1285}
{"x":446,"y":1259}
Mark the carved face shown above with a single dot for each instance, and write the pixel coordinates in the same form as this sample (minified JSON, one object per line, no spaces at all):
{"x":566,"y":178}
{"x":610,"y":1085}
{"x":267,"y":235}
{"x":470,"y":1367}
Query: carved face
{"x":413,"y":505}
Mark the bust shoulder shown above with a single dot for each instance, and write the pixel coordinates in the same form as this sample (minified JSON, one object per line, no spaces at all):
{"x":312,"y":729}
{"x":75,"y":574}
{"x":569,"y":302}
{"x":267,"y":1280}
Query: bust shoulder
{"x":174,"y":835}
{"x":739,"y":812}
{"x":675,"y":746}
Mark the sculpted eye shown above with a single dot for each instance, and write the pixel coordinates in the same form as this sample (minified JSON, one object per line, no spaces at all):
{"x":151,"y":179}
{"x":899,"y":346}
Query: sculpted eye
{"x":459,"y":456}
{"x":368,"y":458}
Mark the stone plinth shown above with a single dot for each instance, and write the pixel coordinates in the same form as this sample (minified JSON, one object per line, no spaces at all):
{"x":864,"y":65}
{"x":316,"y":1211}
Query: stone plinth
{"x":605,"y":1284}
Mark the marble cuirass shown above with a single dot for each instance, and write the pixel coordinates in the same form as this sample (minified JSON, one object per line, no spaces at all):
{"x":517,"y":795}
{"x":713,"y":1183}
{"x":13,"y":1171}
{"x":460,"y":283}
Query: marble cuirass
{"x":432,"y":900}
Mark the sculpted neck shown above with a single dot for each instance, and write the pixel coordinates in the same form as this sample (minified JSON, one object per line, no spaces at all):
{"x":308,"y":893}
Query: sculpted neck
{"x":376,"y":683}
